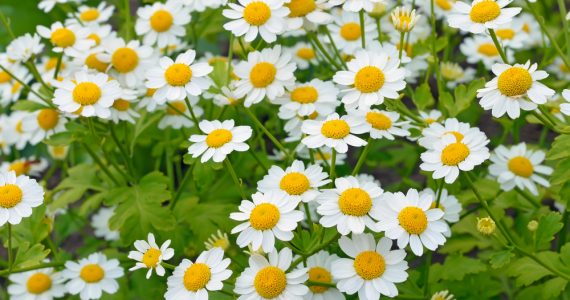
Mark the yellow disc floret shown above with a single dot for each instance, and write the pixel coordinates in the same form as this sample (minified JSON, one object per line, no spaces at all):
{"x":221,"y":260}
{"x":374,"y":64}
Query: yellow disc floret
{"x":178,"y":74}
{"x":197,"y":276}
{"x":62,"y":37}
{"x":256,"y":13}
{"x":89,"y":15}
{"x":10,"y":195}
{"x":125,"y":60}
{"x":161,"y":20}
{"x":369,"y":79}
{"x":413,"y":220}
{"x":514,"y":82}
{"x":378,"y":120}
{"x":176,"y":108}
{"x":355,"y":202}
{"x":306,"y":53}
{"x":305,"y":94}
{"x":218,"y":137}
{"x":335,"y":129}
{"x":270,"y":282}
{"x":121,"y":105}
{"x":92,"y":273}
{"x":485,"y":11}
{"x":264,"y":216}
{"x":262,"y":74}
{"x":521,"y":166}
{"x":295,"y":183}
{"x":301,"y":8}
{"x":369,"y":265}
{"x":38,"y":283}
{"x":453,"y":154}
{"x":86,"y":93}
{"x":151,"y":257}
{"x":350,"y":31}
{"x":321,"y":275}
{"x":48,"y":118}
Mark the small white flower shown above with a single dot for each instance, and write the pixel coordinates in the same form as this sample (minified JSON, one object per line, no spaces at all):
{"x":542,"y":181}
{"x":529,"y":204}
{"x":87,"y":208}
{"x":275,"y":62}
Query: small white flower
{"x":404,"y":18}
{"x":40,"y":284}
{"x":481,"y":49}
{"x":24,"y":47}
{"x":303,"y":55}
{"x":435,"y":131}
{"x":319,"y":268}
{"x":381,"y":123}
{"x":447,"y":203}
{"x":565,"y":107}
{"x":309,"y":14}
{"x":72,"y":39}
{"x":269,"y":216}
{"x":18,"y":195}
{"x":307,"y":98}
{"x":91,"y":276}
{"x":335,"y":132}
{"x":129,"y":61}
{"x":94,"y":15}
{"x":30,"y":166}
{"x":454,"y":74}
{"x":100,"y":222}
{"x":122,"y":109}
{"x":162,"y":23}
{"x":481,"y":15}
{"x":220,"y":139}
{"x":519,"y":167}
{"x":346,"y":31}
{"x":249,"y":17}
{"x":150,"y":256}
{"x":514,"y":88}
{"x":358,"y":5}
{"x":177,"y":114}
{"x":43,"y":123}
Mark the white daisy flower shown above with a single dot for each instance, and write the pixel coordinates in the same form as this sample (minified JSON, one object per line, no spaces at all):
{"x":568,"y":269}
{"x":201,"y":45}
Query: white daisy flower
{"x":18,"y":195}
{"x":220,"y":139}
{"x":93,"y":15}
{"x":308,"y":14}
{"x":87,"y":94}
{"x":193,"y":280}
{"x":307,"y":98}
{"x":449,"y":155}
{"x":481,"y":15}
{"x":519,"y":167}
{"x":176,"y":80}
{"x":14,"y":131}
{"x":162,"y":23}
{"x":410,"y":219}
{"x":372,"y":269}
{"x":435,"y":131}
{"x":150,"y":256}
{"x":48,"y":5}
{"x":319,"y":268}
{"x":531,"y":27}
{"x":346,"y":33}
{"x":91,"y":276}
{"x":443,"y":295}
{"x":370,"y":78}
{"x":90,"y":60}
{"x":454,"y":74}
{"x":58,"y":152}
{"x":264,"y":74}
{"x":129,"y":61}
{"x":24,"y":47}
{"x":100,"y":33}
{"x":270,"y":215}
{"x":514,"y":88}
{"x":381,"y":123}
{"x":431,"y":116}
{"x":404,"y":18}
{"x":226,"y":96}
{"x":447,"y":203}
{"x":511,"y":35}
{"x":201,"y":5}
{"x":122,"y":109}
{"x":442,"y":8}
{"x":43,"y":123}
{"x":177,"y":114}
{"x":335,"y":132}
{"x":40,"y":284}
{"x":100,"y":222}
{"x":269,"y":279}
{"x":70,"y":40}
{"x":565,"y":107}
{"x":218,"y":240}
{"x":351,"y":206}
{"x":250,"y":17}
{"x":358,"y":5}
{"x":300,"y":183}
{"x":481,"y":49}
{"x":30,"y":166}
{"x":559,"y":68}
{"x":303,"y":55}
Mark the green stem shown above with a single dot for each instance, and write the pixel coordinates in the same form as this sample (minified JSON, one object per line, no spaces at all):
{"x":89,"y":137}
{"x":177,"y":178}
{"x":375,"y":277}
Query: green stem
{"x":230,"y":57}
{"x":335,"y":48}
{"x":564,"y":231}
{"x":126,"y":157}
{"x":257,"y":159}
{"x":267,"y":132}
{"x":6,"y":23}
{"x":318,"y":283}
{"x":324,"y":245}
{"x":322,"y":49}
{"x":235,"y":177}
{"x":128,"y":22}
{"x":379,"y":28}
{"x":362,"y":29}
{"x":528,"y":197}
{"x":333,"y":165}
{"x":434,"y":48}
{"x":401,"y":50}
{"x":551,"y":119}
{"x":563,"y":12}
{"x":194,"y":119}
{"x":58,"y":65}
{"x":10,"y":258}
{"x":181,"y":185}
{"x":308,"y":212}
{"x":439,"y":192}
{"x":498,"y":46}
{"x":168,"y":266}
{"x":26,"y":86}
{"x":100,"y":164}
{"x":168,"y":162}
{"x":362,"y":157}
{"x":179,"y":111}
{"x":36,"y":267}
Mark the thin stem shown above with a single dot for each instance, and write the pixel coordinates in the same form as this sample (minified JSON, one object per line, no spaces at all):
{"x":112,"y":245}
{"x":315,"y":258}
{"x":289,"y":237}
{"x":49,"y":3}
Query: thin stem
{"x":230,"y":57}
{"x":498,"y":46}
{"x":235,"y":177}
{"x":362,"y":29}
{"x":257,"y":159}
{"x":194,"y":119}
{"x":267,"y":132}
{"x":322,"y":49}
{"x":36,"y":267}
{"x":333,"y":44}
{"x":564,"y":231}
{"x":528,"y":197}
{"x":308,"y":212}
{"x":426,"y":274}
{"x":58,"y":65}
{"x":322,"y":246}
{"x":10,"y":258}
{"x":128,"y":22}
{"x":168,"y":266}
{"x":179,"y":111}
{"x":323,"y":158}
{"x":438,"y":193}
{"x":551,"y":119}
{"x":379,"y":28}
{"x":26,"y":86}
{"x":126,"y":157}
{"x":434,"y":47}
{"x":401,"y":50}
{"x":333,"y":165}
{"x":6,"y":23}
{"x":168,"y":162}
{"x":318,"y":283}
{"x":100,"y":164}
{"x":563,"y":12}
{"x":181,"y":185}
{"x":362,"y":157}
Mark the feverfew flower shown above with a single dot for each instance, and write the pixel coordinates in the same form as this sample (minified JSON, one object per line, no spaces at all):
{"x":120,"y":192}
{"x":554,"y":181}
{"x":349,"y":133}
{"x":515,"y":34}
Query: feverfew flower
{"x":24,"y":47}
{"x":454,"y":74}
{"x":40,"y":284}
{"x":481,"y":15}
{"x":309,"y":14}
{"x":129,"y":61}
{"x":193,"y":280}
{"x":176,"y":80}
{"x":410,"y":219}
{"x":18,"y":195}
{"x":300,"y":183}
{"x":303,"y":55}
{"x":514,"y":88}
{"x":91,"y":276}
{"x":346,"y":31}
{"x":100,"y":222}
{"x":371,"y":77}
{"x":270,"y":215}
{"x":266,"y":17}
{"x":150,"y":256}
{"x":335,"y":132}
{"x":519,"y":167}
{"x":94,"y":15}
{"x":382,"y":124}
{"x":72,"y":39}
{"x":307,"y":98}
{"x":162,"y":23}
{"x":371,"y":269}
{"x":42,"y":123}
{"x":481,"y":49}
{"x":404,"y":18}
{"x":220,"y":139}
{"x":319,"y":268}
{"x":358,"y":5}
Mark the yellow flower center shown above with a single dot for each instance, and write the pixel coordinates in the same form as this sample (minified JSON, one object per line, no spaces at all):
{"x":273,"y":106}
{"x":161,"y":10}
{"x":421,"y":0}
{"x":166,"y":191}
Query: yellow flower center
{"x":514,"y":82}
{"x":378,"y":120}
{"x":432,"y":206}
{"x":413,"y":220}
{"x":96,"y":38}
{"x":89,"y":15}
{"x":197,"y":276}
{"x":16,"y":87}
{"x":458,"y":135}
{"x":92,"y":273}
{"x":221,"y":243}
{"x":179,"y":108}
{"x":38,"y":283}
{"x":121,"y":105}
{"x":86,"y":93}
{"x":454,"y":153}
{"x":295,"y":183}
{"x":369,"y":265}
{"x":256,"y":13}
{"x":48,"y":118}
{"x":451,"y":71}
{"x":335,"y":129}
{"x":306,"y":53}
{"x":20,"y":167}
{"x":178,"y":74}
{"x":58,"y":151}
{"x":505,"y":34}
{"x":369,"y":79}
{"x":521,"y":166}
{"x":488,"y":49}
{"x":350,"y":31}
{"x":125,"y":60}
{"x":150,"y":92}
{"x":429,"y":120}
{"x":51,"y":63}
{"x":485,"y":11}
{"x":486,"y":225}
{"x":270,"y":282}
{"x":322,"y":275}
{"x":161,"y":20}
{"x":19,"y":128}
{"x":305,"y":94}
{"x":355,"y":202}
{"x":4,"y":77}
{"x":218,"y":137}
{"x":444,"y":4}
{"x":62,"y":37}
{"x":93,"y":63}
{"x":262,"y":74}
{"x":526,"y":28}
{"x":301,"y":8}
{"x":564,"y":68}
{"x":264,"y":216}
{"x":10,"y":195}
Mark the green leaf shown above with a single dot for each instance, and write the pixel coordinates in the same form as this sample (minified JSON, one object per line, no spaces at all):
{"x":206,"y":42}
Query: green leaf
{"x":140,"y":208}
{"x":446,"y":103}
{"x":553,"y":287}
{"x":548,"y":226}
{"x":206,"y":218}
{"x":27,"y":256}
{"x":560,"y":148}
{"x":28,"y":105}
{"x":456,"y":267}
{"x":526,"y":271}
{"x":422,"y":97}
{"x":465,"y":94}
{"x":501,"y":258}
